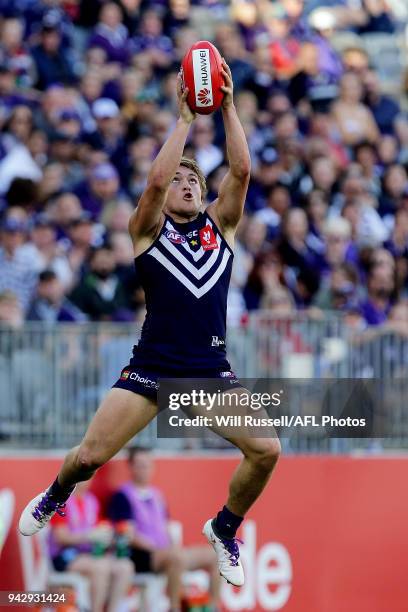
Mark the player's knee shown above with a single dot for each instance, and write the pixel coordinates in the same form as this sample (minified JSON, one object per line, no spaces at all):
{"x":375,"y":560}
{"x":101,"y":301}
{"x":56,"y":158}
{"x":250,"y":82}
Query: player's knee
{"x":90,"y":458}
{"x":266,"y":455}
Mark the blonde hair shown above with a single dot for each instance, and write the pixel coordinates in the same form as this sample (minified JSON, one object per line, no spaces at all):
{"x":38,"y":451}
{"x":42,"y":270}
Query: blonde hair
{"x":191,"y":164}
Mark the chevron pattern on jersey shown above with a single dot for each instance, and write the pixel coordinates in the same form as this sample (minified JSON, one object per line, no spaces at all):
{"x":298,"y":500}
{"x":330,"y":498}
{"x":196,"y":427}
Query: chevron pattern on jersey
{"x":197,"y":270}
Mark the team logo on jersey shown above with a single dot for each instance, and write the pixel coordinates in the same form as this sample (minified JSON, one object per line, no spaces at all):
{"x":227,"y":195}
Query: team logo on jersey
{"x":208,"y":239}
{"x":174,"y":237}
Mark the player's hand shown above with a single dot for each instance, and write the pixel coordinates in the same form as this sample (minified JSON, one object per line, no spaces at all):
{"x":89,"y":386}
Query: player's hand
{"x":228,"y":88}
{"x":185,"y":111}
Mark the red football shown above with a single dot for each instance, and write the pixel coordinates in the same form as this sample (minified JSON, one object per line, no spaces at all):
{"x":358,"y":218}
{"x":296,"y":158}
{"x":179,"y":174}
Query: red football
{"x":201,"y":71}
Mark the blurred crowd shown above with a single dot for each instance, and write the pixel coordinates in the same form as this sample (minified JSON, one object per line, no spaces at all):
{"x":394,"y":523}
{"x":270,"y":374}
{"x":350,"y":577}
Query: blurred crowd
{"x":88,"y":96}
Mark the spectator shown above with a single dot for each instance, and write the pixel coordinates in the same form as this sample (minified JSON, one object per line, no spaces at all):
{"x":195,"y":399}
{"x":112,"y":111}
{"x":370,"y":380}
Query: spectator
{"x":380,"y":290}
{"x":341,"y":291}
{"x":18,"y":271}
{"x":45,"y":251}
{"x":323,"y":177}
{"x":151,"y":42}
{"x":207,"y":154}
{"x":101,"y":189}
{"x":397,"y":244}
{"x":50,"y":304}
{"x":395,"y":183}
{"x":384,"y":108}
{"x":277,"y":205}
{"x":366,"y":156}
{"x":229,"y":42}
{"x":314,"y":82}
{"x":337,"y":240}
{"x":379,"y":17}
{"x":316,"y":209}
{"x":253,"y":235}
{"x":111,"y":34}
{"x":108,"y":136}
{"x":116,"y":217}
{"x":283,"y":47}
{"x":75,"y":541}
{"x":100,"y":294}
{"x":80,"y":242}
{"x":62,"y":211}
{"x":11,"y":313}
{"x":144,"y":509}
{"x":293,"y":246}
{"x":354,"y":120}
{"x":266,"y":274}
{"x":14,"y":53}
{"x":52,"y":65}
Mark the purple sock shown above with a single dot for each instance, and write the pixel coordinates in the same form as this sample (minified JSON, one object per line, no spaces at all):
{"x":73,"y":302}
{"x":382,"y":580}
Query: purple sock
{"x":226,"y":524}
{"x":60,"y":493}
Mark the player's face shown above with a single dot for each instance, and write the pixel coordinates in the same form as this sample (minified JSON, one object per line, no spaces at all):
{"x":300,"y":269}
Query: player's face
{"x":184,"y":196}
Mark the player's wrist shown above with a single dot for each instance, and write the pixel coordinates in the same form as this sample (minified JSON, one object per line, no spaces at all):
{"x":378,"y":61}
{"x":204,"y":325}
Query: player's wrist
{"x":228,"y":107}
{"x":187,"y":121}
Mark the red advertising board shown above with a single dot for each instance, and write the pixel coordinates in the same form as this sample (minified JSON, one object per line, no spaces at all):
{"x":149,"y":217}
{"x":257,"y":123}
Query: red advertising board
{"x":328,"y":535}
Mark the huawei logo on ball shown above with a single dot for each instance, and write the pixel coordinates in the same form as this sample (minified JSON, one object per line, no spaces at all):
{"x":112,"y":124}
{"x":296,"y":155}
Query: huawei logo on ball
{"x":204,"y":96}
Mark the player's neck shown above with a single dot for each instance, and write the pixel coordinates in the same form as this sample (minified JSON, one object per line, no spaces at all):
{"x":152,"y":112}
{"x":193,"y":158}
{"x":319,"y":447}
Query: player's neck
{"x":183,"y":218}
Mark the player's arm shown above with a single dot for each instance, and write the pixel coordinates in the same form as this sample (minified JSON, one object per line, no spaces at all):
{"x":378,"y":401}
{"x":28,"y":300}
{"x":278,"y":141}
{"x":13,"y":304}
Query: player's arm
{"x":229,"y":206}
{"x":145,"y":221}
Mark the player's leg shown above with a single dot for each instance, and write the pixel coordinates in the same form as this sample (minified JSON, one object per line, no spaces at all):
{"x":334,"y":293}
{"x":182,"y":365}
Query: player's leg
{"x":260,"y":455}
{"x":120,"y":417}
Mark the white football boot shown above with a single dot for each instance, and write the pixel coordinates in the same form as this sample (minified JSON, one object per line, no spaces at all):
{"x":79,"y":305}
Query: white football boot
{"x":227,"y":552}
{"x":38,"y":512}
